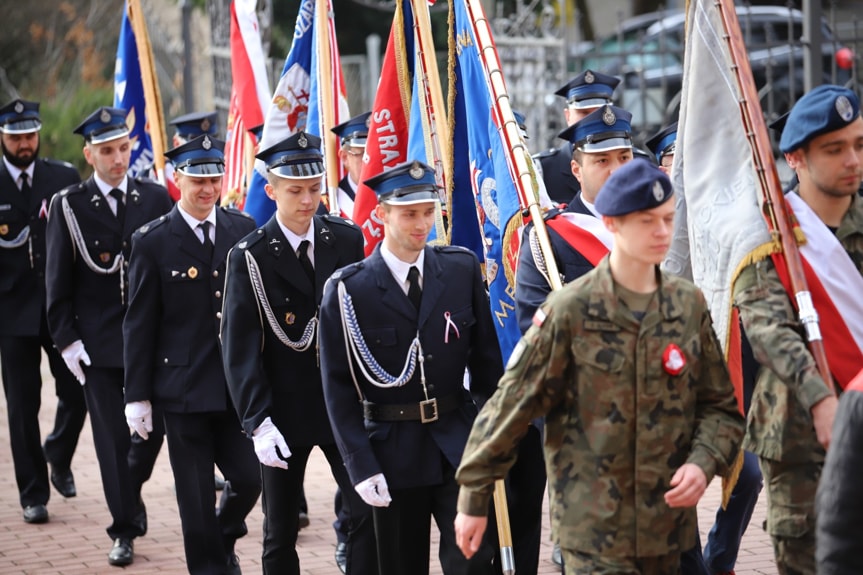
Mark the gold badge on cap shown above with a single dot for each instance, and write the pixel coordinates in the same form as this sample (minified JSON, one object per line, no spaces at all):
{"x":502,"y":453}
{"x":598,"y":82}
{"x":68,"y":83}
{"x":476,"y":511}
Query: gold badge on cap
{"x":19,"y":107}
{"x":192,"y":272}
{"x":206,"y":143}
{"x":4,"y":229}
{"x":205,"y":125}
{"x":589,"y":78}
{"x":302,"y":141}
{"x":844,"y":109}
{"x":290,"y":318}
{"x":658,"y":192}
{"x":608,"y":116}
{"x":105,"y":257}
{"x":416,"y":171}
{"x":105,"y":116}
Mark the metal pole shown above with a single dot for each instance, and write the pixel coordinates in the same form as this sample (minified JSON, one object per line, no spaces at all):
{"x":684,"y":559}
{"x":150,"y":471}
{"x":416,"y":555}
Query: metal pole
{"x":373,"y":54}
{"x":188,"y":80}
{"x":813,"y":65}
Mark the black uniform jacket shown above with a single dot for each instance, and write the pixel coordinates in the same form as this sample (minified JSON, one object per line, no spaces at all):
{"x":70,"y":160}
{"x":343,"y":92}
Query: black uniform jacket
{"x":557,"y":173}
{"x":409,"y":453}
{"x":88,"y":305}
{"x":531,"y":286}
{"x":22,"y":269}
{"x":171,"y":328}
{"x":265,"y":376}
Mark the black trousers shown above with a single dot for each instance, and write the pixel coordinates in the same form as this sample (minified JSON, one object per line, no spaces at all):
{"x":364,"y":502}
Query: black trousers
{"x":123,"y":465}
{"x":403,"y":530}
{"x":21,"y":358}
{"x":281,"y":503}
{"x":196,"y":442}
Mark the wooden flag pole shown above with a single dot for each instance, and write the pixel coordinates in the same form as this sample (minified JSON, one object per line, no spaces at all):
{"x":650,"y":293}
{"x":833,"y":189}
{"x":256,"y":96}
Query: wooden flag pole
{"x":327,"y":103}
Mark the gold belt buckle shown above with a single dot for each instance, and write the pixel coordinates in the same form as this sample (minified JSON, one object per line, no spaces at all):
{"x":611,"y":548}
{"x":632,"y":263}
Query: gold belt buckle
{"x":432,"y":404}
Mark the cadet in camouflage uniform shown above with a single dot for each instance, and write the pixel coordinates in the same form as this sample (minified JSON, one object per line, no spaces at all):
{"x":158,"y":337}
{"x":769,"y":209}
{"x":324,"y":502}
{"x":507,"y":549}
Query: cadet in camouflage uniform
{"x":792,"y":411}
{"x":640,"y":413}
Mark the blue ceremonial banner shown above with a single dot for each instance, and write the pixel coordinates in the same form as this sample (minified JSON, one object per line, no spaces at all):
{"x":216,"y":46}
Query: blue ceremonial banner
{"x":486,"y":174}
{"x":129,"y":95}
{"x":289,"y":109}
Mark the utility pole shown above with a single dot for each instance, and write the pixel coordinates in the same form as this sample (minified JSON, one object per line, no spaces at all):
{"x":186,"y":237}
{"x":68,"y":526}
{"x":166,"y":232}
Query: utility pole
{"x":188,"y":80}
{"x":813,"y":65}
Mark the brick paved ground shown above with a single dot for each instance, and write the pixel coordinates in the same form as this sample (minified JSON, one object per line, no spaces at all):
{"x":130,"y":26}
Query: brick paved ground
{"x":74,"y":541}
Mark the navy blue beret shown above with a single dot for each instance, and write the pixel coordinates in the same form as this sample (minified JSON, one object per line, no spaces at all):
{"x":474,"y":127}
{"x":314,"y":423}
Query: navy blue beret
{"x":635,"y":186}
{"x":824,"y":109}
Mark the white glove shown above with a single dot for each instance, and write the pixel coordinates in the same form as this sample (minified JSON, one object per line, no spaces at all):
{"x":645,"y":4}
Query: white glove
{"x":268,"y":443}
{"x":73,"y":355}
{"x":374,"y":491}
{"x":139,"y":417}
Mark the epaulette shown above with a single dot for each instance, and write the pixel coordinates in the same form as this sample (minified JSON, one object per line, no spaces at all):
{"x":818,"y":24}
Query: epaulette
{"x":347,"y":271}
{"x":235,"y":212}
{"x":553,"y":212}
{"x":546,"y":154}
{"x":334,"y":219}
{"x":453,"y":250}
{"x":53,"y":162}
{"x":73,"y":189}
{"x":250,"y":239}
{"x":149,"y":226}
{"x":145,"y":180}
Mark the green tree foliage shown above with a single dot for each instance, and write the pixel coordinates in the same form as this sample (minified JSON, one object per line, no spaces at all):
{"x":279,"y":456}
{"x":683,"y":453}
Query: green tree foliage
{"x":59,"y":118}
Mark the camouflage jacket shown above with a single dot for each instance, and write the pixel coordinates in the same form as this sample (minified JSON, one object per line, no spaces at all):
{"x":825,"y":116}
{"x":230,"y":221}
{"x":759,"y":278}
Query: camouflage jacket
{"x":618,"y":424}
{"x":779,"y":425}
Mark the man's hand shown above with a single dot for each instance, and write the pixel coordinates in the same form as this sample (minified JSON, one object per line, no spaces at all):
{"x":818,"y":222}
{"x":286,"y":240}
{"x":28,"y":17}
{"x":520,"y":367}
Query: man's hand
{"x":687,"y":486}
{"x":139,"y":418}
{"x":823,"y":414}
{"x":374,"y":491}
{"x":74,"y":354}
{"x":270,"y":445}
{"x":469,"y":530}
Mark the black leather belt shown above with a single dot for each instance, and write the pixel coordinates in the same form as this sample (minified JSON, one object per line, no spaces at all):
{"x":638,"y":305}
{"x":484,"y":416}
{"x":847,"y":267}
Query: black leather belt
{"x":425,"y":411}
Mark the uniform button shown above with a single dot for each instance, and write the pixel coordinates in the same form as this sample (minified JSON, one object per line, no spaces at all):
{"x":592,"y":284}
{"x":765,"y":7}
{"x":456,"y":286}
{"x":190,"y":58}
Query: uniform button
{"x":218,"y":294}
{"x":431,"y":387}
{"x":96,"y":243}
{"x":429,"y":357}
{"x":218,"y":315}
{"x":124,"y":244}
{"x":215,"y":273}
{"x":166,"y":360}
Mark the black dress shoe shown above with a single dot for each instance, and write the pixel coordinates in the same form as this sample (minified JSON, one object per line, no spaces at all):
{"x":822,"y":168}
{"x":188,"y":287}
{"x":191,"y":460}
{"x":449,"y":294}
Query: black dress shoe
{"x":234,"y":565}
{"x":342,"y":557}
{"x":122,"y":553}
{"x":303,"y":520}
{"x":36,"y":514}
{"x":63,"y":481}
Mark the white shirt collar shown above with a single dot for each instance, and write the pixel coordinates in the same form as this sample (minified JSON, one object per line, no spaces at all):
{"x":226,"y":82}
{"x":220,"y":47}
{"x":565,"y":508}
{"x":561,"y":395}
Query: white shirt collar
{"x":15,"y":171}
{"x":590,"y":207}
{"x":295,"y":240}
{"x":106,"y":188}
{"x":400,"y":269}
{"x":193,"y":222}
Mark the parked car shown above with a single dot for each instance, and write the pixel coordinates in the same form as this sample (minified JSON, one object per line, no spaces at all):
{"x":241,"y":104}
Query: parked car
{"x":647,"y":53}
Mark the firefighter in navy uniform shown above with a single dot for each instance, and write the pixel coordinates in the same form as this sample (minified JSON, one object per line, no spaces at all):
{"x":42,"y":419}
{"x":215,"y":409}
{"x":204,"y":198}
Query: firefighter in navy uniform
{"x":275,"y":282}
{"x":173,"y":358}
{"x":398,"y":330}
{"x":27,"y":183}
{"x":583,"y":94}
{"x":89,"y":234}
{"x":352,"y":138}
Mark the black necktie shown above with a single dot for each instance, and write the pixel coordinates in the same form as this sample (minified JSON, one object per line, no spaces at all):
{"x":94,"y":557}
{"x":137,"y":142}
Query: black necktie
{"x":415,"y":293}
{"x":25,"y":183}
{"x":119,"y":196}
{"x":303,"y":256}
{"x":207,"y":243}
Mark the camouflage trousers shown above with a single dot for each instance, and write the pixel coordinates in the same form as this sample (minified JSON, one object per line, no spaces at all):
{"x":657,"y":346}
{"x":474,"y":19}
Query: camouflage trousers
{"x":790,"y":488}
{"x":578,"y":563}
